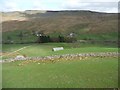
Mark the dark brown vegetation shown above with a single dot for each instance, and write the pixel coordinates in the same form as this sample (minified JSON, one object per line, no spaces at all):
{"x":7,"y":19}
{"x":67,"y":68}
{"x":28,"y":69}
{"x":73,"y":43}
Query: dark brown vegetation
{"x":61,"y":21}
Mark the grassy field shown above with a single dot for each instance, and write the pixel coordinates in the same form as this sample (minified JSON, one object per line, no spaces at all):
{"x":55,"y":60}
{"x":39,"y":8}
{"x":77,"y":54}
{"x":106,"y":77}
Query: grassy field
{"x":86,"y":73}
{"x":91,"y":72}
{"x":46,"y":49}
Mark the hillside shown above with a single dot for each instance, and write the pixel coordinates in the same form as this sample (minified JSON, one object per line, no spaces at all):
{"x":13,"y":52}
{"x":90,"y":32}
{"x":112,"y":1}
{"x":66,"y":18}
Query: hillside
{"x":85,"y":24}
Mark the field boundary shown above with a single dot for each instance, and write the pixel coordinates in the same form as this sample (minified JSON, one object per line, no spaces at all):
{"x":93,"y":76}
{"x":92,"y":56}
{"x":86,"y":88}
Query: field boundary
{"x":67,"y":56}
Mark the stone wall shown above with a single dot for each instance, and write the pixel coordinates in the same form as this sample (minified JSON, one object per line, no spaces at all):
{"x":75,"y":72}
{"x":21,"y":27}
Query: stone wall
{"x":67,"y":56}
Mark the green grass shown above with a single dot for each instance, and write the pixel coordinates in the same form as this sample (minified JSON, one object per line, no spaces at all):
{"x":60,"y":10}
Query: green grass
{"x":89,"y":73}
{"x":46,"y":49}
{"x":12,"y":47}
{"x":14,"y":35}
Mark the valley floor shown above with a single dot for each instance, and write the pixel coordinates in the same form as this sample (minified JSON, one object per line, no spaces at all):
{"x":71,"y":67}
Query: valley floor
{"x":90,"y":72}
{"x":87,"y":73}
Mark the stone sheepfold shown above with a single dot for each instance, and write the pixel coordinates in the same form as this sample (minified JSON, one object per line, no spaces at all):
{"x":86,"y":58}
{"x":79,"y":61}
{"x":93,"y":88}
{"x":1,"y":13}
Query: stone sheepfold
{"x":67,"y":56}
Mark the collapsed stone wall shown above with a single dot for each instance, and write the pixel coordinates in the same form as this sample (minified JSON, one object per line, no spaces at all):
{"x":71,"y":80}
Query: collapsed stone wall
{"x":67,"y":56}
